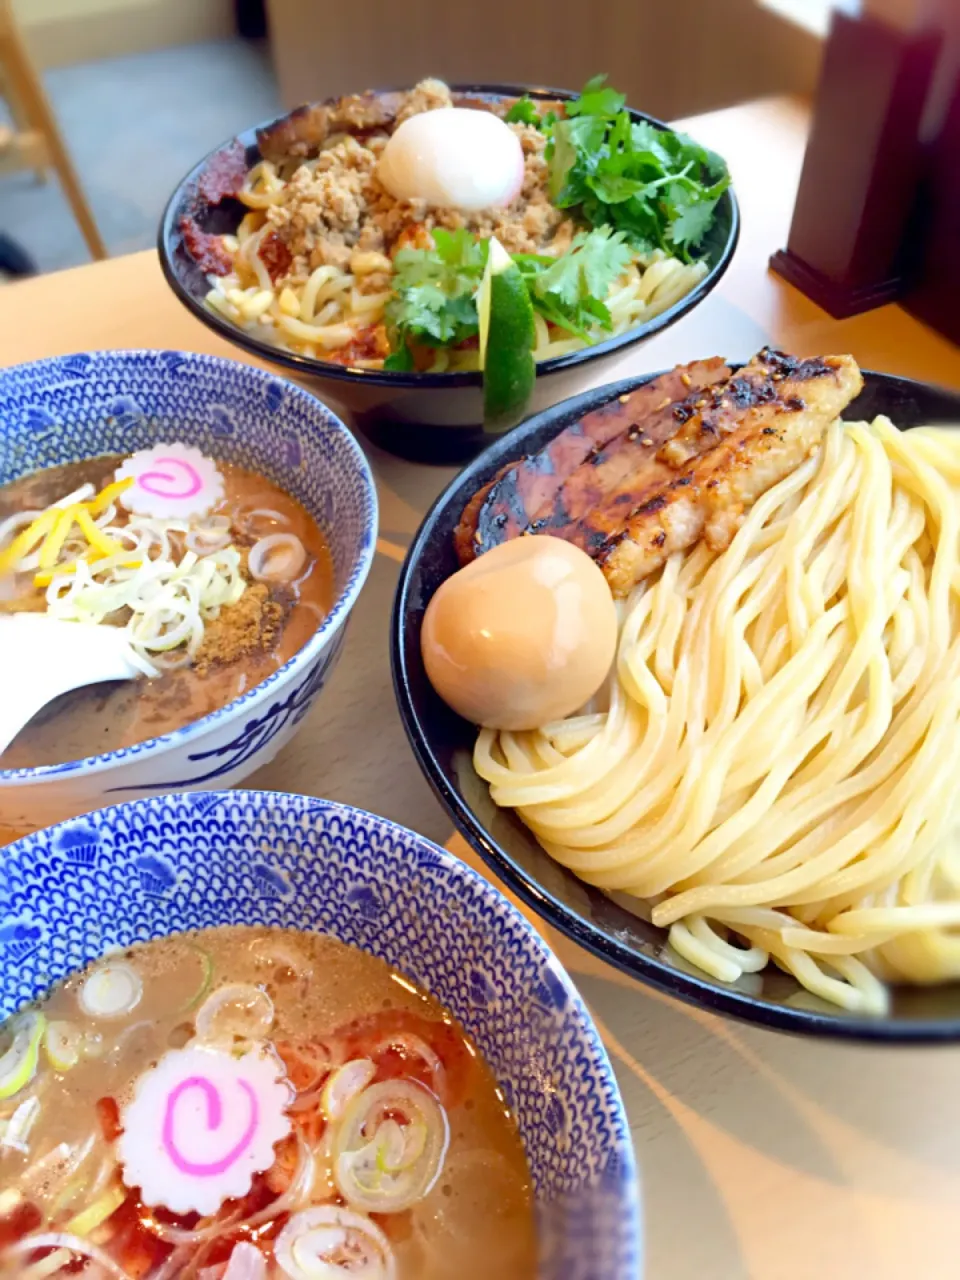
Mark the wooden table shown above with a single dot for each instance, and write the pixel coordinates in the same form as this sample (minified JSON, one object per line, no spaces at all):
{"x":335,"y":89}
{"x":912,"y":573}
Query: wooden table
{"x":762,"y":1156}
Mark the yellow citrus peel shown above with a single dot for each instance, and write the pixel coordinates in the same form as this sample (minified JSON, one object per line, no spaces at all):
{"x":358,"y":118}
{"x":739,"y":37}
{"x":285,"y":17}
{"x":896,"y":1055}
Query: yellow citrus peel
{"x":28,"y":539}
{"x":90,"y":557}
{"x":96,"y":506}
{"x":50,"y":531}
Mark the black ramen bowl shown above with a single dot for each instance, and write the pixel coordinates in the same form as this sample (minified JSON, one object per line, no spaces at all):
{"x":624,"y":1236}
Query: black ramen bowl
{"x":430,"y":417}
{"x":443,"y":744}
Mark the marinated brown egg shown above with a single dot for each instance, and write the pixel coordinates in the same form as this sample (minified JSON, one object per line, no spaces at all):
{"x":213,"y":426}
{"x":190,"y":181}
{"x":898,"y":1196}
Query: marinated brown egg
{"x":521,"y":636}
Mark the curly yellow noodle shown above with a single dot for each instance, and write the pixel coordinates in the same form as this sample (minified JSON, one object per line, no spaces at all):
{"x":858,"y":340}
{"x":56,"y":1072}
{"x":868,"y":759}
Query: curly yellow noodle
{"x":328,"y":295}
{"x":775,"y":757}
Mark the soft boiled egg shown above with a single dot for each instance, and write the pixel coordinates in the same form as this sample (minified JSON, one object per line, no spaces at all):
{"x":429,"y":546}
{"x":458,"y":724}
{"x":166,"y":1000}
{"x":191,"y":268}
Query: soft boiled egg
{"x":453,"y":158}
{"x":521,"y":636}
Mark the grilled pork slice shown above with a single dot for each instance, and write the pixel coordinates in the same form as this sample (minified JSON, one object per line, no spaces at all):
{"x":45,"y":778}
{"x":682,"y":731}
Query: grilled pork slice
{"x":592,"y":504}
{"x":735,"y":443}
{"x":525,"y":493}
{"x":304,"y":130}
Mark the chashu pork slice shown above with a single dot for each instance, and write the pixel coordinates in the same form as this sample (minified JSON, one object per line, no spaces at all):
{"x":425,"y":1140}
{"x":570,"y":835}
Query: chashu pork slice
{"x":736,"y":441}
{"x":303,"y":131}
{"x":522,"y":493}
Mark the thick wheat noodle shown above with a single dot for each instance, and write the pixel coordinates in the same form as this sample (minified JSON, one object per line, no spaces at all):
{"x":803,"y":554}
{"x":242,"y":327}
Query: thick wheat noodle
{"x":773,"y":763}
{"x":329,"y":300}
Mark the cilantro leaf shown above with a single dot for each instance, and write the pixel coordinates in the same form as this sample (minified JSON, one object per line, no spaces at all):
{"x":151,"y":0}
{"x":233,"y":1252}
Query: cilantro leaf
{"x":569,"y":151}
{"x":659,"y":188}
{"x":597,"y":99}
{"x":434,"y":298}
{"x":570,"y":291}
{"x":523,"y":111}
{"x":400,"y":361}
{"x":692,"y":223}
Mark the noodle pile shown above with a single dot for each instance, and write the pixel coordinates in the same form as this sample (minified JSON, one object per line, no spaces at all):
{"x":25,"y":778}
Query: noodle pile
{"x":324,"y":310}
{"x":778,"y":756}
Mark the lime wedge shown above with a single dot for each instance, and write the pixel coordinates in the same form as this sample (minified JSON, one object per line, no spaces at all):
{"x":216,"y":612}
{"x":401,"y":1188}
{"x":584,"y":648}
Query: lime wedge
{"x":507,"y":338}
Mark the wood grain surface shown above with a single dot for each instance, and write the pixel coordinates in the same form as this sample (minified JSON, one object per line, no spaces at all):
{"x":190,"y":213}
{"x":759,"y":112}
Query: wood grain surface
{"x":762,"y":1156}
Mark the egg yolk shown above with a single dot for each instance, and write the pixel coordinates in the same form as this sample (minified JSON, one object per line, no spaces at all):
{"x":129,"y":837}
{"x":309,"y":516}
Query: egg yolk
{"x":524,"y":635}
{"x":454,"y":158}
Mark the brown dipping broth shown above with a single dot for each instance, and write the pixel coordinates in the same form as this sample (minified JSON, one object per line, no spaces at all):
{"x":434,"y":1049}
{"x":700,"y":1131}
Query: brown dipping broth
{"x":477,"y":1221}
{"x":106,"y":717}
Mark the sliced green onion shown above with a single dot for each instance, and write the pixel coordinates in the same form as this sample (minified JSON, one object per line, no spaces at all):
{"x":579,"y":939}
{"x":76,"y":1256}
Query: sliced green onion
{"x":112,"y":990}
{"x":237,"y":1009}
{"x":270,"y":951}
{"x":380,"y":1165}
{"x":61,"y":1240}
{"x":206,"y":978}
{"x":16,"y":1130}
{"x":97,"y":1213}
{"x":331,"y":1243}
{"x":399,"y":1146}
{"x":343,"y":1084}
{"x":416,"y":1047}
{"x":18,"y":1065}
{"x":63,"y":1042}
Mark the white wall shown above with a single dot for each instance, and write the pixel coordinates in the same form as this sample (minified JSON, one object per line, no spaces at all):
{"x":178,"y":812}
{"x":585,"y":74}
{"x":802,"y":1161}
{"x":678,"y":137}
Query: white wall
{"x":65,"y":31}
{"x":672,"y":57}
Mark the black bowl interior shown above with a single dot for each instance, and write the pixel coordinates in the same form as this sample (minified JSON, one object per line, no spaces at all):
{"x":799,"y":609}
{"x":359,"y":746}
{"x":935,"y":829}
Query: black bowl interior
{"x":443,"y":744}
{"x":189,"y":282}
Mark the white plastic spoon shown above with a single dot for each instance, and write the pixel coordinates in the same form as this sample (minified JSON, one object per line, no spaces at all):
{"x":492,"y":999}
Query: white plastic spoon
{"x":42,"y":657}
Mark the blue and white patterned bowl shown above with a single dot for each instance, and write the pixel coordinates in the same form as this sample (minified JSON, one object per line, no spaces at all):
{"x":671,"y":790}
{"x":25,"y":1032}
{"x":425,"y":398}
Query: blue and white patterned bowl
{"x":191,"y":861}
{"x":73,"y":407}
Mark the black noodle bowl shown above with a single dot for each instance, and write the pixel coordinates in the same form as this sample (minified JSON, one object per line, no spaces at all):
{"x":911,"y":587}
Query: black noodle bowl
{"x":443,"y":744}
{"x":432,"y":417}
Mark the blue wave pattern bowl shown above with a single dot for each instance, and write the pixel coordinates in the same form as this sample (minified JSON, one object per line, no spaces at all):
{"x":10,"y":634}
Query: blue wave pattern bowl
{"x":193,"y":861}
{"x":69,"y":408}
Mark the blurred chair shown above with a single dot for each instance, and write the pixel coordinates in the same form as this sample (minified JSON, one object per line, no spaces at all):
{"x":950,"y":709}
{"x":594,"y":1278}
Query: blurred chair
{"x":35,"y":141}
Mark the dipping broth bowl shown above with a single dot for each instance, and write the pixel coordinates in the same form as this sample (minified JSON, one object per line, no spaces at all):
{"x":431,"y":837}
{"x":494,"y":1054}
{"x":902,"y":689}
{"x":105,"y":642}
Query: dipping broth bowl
{"x":167,"y":864}
{"x":69,"y":408}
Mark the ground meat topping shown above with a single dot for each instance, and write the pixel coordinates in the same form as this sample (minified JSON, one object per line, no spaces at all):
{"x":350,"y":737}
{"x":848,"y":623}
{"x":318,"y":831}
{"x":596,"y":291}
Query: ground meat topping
{"x":334,"y":203}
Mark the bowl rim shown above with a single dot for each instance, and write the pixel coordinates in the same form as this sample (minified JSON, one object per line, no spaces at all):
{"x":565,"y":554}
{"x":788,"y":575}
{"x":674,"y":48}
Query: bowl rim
{"x":169,"y":237}
{"x":321,"y":638}
{"x":694,"y":989}
{"x":296,"y":804}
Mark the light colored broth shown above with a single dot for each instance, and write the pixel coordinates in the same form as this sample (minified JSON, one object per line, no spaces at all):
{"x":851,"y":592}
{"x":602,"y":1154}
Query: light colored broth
{"x":106,"y":717}
{"x":477,"y":1221}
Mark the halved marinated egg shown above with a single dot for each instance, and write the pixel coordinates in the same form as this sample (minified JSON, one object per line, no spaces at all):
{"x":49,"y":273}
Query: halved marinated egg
{"x":454,"y":158}
{"x":522,"y":636}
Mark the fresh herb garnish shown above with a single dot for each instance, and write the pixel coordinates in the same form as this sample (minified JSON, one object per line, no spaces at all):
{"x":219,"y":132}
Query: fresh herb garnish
{"x":434,"y":303}
{"x":524,"y":111}
{"x":434,"y":295}
{"x":658,"y":187}
{"x":569,"y":291}
{"x":597,"y":99}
